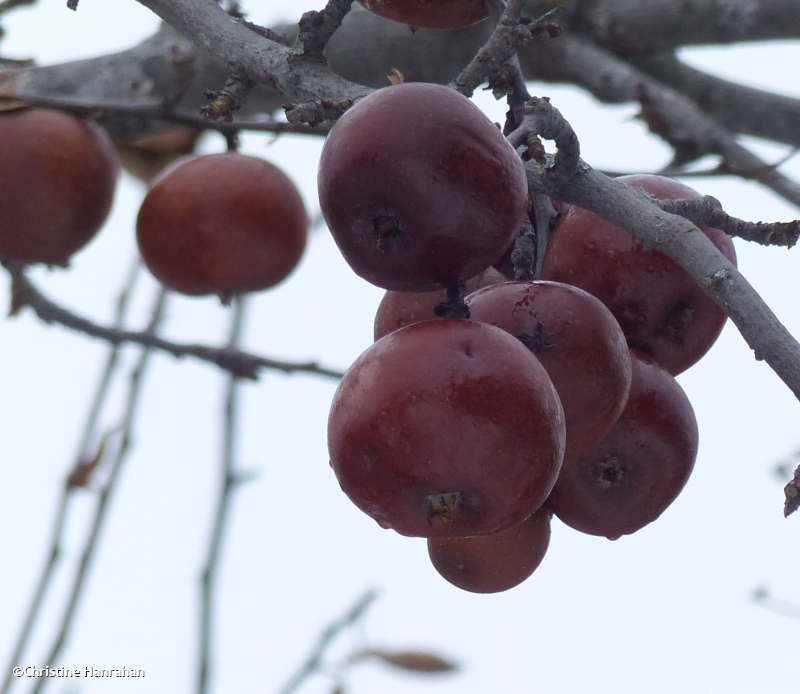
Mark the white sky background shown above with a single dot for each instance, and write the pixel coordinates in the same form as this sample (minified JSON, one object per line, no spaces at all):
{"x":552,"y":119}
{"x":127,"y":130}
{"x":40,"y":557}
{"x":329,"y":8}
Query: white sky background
{"x":662,"y":611}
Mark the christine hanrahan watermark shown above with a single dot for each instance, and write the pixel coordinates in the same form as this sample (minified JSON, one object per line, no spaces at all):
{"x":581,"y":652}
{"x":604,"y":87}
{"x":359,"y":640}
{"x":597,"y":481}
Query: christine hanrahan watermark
{"x":81,"y":672}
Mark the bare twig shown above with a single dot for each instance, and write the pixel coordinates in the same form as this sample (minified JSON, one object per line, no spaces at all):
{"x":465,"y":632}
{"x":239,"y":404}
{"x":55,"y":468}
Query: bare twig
{"x":7,"y":5}
{"x":508,"y":36}
{"x":314,"y":660}
{"x":668,"y":113}
{"x":227,"y":483}
{"x":268,"y":33}
{"x":59,"y":520}
{"x":103,"y":502}
{"x":708,"y":211}
{"x":763,"y":597}
{"x":640,"y":27}
{"x":316,"y":28}
{"x":792,"y":494}
{"x":301,"y":80}
{"x":720,"y":169}
{"x":222,"y":103}
{"x":739,"y":108}
{"x":161,"y":111}
{"x":541,"y":118}
{"x":239,"y":363}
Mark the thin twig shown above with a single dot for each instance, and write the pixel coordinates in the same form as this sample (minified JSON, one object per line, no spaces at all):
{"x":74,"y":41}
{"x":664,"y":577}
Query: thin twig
{"x":316,"y":28}
{"x":222,"y":103}
{"x":59,"y":520}
{"x":79,"y":581}
{"x":500,"y":46}
{"x":160,"y":110}
{"x":791,"y":494}
{"x":509,"y":35}
{"x":708,"y":211}
{"x":765,"y":599}
{"x":239,"y":363}
{"x":227,"y":484}
{"x":314,"y":660}
{"x":7,"y":5}
{"x":720,"y":169}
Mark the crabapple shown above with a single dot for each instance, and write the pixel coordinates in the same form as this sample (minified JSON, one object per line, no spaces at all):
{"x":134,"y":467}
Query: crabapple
{"x":578,"y":342}
{"x":446,"y":428}
{"x":419,"y":189}
{"x":496,"y":562}
{"x":440,"y":14}
{"x":659,"y":306}
{"x":59,"y":174}
{"x":641,"y":465}
{"x":222,"y":224}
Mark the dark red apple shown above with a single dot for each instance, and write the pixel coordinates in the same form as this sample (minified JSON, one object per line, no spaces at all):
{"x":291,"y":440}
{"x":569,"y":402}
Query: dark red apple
{"x":59,"y":174}
{"x":439,"y":14}
{"x":496,"y":562}
{"x":446,"y":428}
{"x":222,"y":224}
{"x":578,"y":342}
{"x":420,"y":190}
{"x":660,"y":308}
{"x":641,"y":465}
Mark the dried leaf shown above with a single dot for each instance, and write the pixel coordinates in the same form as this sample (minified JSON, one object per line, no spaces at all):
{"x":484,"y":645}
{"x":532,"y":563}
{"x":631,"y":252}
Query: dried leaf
{"x":792,"y":495}
{"x":395,"y":76}
{"x":81,"y":474}
{"x":9,"y":99}
{"x":147,"y":157}
{"x":415,"y":661}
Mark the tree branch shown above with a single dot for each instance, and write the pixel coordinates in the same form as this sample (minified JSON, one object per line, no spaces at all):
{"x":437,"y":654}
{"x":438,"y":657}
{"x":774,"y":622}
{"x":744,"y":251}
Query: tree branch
{"x":314,"y":659}
{"x":680,"y":240}
{"x":241,"y":364}
{"x":708,"y":211}
{"x":316,"y":28}
{"x":668,"y":113}
{"x":739,"y":108}
{"x":54,"y":550}
{"x":300,"y":80}
{"x":227,"y":484}
{"x":636,"y":27}
{"x":506,"y":38}
{"x":103,"y":503}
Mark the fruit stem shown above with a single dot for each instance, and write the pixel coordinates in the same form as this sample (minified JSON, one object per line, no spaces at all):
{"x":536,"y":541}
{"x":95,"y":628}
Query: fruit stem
{"x":454,"y":307}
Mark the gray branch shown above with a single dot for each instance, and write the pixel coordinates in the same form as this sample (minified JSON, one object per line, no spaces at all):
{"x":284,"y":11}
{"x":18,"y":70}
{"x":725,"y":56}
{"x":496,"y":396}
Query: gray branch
{"x":668,"y":113}
{"x":240,"y":364}
{"x":680,"y":240}
{"x":635,"y":27}
{"x":739,"y":108}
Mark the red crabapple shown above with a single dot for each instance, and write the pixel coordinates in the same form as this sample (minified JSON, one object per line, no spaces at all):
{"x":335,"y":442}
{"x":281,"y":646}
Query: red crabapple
{"x":659,"y":306}
{"x":578,"y":342}
{"x":440,"y":14}
{"x":641,"y":465}
{"x":419,"y":189}
{"x":59,"y":174}
{"x":446,"y":428}
{"x":222,"y":224}
{"x":496,"y":562}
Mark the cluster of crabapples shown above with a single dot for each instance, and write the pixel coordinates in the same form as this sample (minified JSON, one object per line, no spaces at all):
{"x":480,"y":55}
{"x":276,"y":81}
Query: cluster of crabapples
{"x":554,"y":396}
